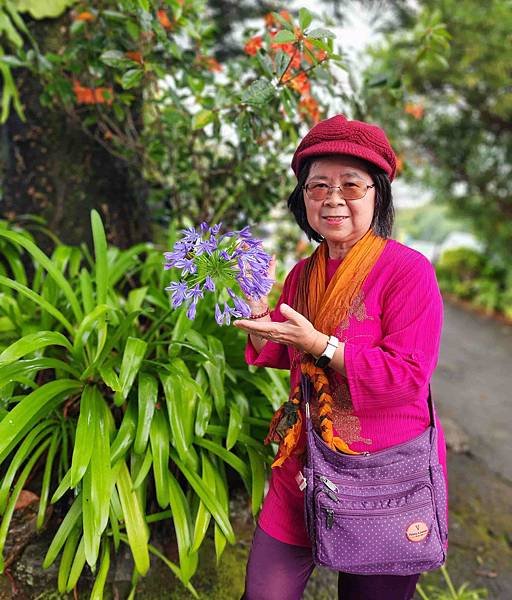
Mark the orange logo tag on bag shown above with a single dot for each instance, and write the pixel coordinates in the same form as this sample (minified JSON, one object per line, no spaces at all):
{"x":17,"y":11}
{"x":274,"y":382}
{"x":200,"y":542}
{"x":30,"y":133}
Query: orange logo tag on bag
{"x":416,"y":532}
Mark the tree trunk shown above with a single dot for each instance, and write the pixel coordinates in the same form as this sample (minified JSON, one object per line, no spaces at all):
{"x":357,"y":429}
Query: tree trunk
{"x":51,"y":168}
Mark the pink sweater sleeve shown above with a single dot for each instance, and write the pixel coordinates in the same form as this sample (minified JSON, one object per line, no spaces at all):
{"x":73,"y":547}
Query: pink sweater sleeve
{"x":397,"y":369}
{"x":273,"y":354}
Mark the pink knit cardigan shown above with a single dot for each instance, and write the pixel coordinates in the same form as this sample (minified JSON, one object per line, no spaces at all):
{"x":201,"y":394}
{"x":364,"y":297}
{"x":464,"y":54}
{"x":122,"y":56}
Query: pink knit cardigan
{"x":391,"y":337}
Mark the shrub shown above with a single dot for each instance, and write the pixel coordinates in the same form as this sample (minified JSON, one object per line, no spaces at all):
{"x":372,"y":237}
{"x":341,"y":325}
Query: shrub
{"x":458,"y":269}
{"x":133,"y":413}
{"x":473,"y":276}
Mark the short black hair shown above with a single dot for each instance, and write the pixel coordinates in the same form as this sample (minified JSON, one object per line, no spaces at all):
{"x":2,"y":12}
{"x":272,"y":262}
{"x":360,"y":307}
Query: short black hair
{"x":384,"y":213}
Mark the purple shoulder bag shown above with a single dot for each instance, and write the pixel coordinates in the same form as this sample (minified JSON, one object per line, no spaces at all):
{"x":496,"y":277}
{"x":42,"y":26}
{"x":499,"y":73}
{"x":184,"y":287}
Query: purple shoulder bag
{"x":381,"y":513}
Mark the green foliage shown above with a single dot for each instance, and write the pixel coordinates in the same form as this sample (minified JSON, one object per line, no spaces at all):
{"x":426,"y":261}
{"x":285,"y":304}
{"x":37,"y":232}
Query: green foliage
{"x":458,"y":268}
{"x":43,"y":9}
{"x":143,"y":80}
{"x":464,"y":592}
{"x":122,"y":396}
{"x":13,"y":32}
{"x":12,"y":28}
{"x":473,"y":276}
{"x":450,"y":116}
{"x":424,"y":44}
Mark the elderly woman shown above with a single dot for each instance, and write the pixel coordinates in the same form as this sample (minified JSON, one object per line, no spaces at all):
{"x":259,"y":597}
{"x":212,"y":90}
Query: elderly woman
{"x":367,"y":310}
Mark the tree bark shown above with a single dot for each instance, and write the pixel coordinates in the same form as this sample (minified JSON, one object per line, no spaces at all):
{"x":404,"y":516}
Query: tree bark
{"x":51,"y":168}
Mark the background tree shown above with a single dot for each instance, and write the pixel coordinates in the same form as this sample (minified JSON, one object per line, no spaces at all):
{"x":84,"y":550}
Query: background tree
{"x":451,"y":115}
{"x":53,"y":166}
{"x":175,"y":132}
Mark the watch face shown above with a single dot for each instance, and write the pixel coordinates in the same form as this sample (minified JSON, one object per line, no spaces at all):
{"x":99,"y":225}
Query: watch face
{"x":322,"y":361}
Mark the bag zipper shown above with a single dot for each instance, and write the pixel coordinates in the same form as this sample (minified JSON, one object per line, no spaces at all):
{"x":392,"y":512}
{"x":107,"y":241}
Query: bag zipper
{"x":332,"y":486}
{"x":352,"y":498}
{"x":330,"y":513}
{"x":402,"y":494}
{"x":328,"y":483}
{"x":329,"y":520}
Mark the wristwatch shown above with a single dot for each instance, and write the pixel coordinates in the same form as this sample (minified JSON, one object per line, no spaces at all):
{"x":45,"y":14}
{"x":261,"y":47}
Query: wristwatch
{"x":325,"y":358}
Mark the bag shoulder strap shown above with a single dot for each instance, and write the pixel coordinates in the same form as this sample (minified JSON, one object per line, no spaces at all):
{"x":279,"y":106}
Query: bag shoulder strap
{"x":431,"y":412}
{"x":305,"y":385}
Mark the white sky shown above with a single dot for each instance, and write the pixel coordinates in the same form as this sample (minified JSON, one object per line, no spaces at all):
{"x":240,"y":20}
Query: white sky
{"x":354,"y":34}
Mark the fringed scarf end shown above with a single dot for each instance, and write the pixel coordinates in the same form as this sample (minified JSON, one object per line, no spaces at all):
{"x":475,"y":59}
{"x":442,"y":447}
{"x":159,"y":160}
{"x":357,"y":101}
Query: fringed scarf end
{"x":342,"y":446}
{"x":289,"y":442}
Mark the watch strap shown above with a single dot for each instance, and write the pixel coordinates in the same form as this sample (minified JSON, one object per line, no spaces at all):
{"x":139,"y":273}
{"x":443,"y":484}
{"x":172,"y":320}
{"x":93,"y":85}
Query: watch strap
{"x":325,"y":358}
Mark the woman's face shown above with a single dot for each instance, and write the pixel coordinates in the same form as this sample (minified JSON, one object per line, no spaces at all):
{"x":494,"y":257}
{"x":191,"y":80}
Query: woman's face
{"x":341,"y":222}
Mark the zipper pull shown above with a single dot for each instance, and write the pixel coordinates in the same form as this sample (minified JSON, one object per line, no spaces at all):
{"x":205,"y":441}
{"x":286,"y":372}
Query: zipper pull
{"x":331,"y":494}
{"x":329,"y":518}
{"x":328,"y":483}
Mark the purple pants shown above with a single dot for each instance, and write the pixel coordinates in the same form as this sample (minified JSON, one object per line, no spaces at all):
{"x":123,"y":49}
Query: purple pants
{"x":279,"y":571}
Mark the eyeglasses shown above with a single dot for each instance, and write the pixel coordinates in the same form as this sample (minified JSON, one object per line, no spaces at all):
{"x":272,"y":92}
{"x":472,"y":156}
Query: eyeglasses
{"x":350,"y":190}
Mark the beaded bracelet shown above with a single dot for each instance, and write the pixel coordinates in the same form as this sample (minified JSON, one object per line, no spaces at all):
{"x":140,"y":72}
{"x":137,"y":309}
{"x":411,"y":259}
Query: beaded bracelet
{"x":261,"y":315}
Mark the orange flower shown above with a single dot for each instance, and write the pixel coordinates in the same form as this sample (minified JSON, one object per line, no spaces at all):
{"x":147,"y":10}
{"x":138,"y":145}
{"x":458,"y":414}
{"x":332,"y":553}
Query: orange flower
{"x":208,"y":62}
{"x":292,"y":52}
{"x":399,"y":164}
{"x":103,"y":95}
{"x":162,"y":16}
{"x":286,"y":15}
{"x":308,"y":107}
{"x":270,"y":21}
{"x":287,"y":48}
{"x":214,"y":65}
{"x":84,"y":16}
{"x":319,"y":55}
{"x":309,"y":56}
{"x":294,"y":55}
{"x":300,"y":83}
{"x":83,"y":94}
{"x":86,"y":95}
{"x":253,"y":45}
{"x":415,"y":110}
{"x":135,"y":56}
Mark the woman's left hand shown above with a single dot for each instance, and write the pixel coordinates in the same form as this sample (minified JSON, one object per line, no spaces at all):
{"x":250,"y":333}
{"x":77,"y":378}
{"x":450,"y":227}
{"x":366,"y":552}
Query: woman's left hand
{"x":296,"y":331}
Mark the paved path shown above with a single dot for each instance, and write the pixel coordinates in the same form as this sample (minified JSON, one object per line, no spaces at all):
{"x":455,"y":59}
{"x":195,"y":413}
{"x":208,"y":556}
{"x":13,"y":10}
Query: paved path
{"x":473,"y":384}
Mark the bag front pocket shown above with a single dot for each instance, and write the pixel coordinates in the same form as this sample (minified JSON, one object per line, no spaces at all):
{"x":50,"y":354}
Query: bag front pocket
{"x":378,"y":535}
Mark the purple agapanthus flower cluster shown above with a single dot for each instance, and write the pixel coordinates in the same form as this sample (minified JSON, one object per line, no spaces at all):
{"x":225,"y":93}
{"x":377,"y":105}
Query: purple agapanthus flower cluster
{"x":221,"y":264}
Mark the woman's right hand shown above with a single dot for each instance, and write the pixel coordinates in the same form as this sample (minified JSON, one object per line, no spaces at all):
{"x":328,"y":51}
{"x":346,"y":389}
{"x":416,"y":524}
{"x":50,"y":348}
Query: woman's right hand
{"x":260,"y":305}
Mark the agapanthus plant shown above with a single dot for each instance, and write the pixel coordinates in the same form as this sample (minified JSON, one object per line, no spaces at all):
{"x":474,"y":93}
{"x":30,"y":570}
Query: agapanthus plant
{"x":229,"y":265}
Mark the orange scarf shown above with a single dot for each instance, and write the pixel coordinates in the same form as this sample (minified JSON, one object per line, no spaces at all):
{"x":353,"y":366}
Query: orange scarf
{"x":326,"y":307}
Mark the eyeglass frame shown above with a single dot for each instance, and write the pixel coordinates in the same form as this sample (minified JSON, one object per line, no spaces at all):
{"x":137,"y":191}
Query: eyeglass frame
{"x":337,"y":187}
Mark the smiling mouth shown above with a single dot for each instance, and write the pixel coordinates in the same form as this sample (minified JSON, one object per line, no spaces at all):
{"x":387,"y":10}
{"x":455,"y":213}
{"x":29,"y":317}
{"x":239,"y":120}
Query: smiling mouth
{"x":334,"y":218}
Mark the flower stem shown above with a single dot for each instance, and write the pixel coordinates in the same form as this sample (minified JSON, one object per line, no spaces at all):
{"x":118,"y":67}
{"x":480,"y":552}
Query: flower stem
{"x":449,"y":583}
{"x":422,"y":594}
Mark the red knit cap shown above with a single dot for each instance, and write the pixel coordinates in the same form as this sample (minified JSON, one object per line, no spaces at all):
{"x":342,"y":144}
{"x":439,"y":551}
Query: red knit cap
{"x":338,"y":135}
